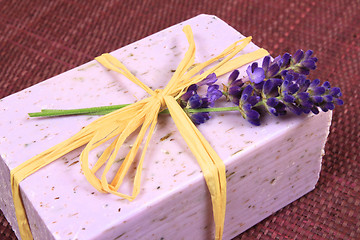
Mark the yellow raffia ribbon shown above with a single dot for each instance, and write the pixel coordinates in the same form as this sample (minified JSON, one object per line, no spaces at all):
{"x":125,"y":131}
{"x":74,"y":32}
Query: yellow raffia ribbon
{"x":143,"y":115}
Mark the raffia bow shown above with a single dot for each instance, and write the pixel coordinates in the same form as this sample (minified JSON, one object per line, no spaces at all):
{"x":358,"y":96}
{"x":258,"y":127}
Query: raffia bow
{"x":120,"y":124}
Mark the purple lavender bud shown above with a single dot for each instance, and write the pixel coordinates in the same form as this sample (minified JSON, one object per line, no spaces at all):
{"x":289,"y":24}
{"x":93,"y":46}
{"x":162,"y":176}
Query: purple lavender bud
{"x":273,"y":111}
{"x":256,"y":74}
{"x":277,"y":82}
{"x":315,"y":110}
{"x":235,"y":91}
{"x":289,"y":77}
{"x":199,"y":118}
{"x":268,"y":86}
{"x":238,"y":83}
{"x":326,"y":84}
{"x":304,"y":96}
{"x":328,"y":98}
{"x":293,"y":88}
{"x":213,"y":94}
{"x":317,"y":99}
{"x":335,"y":91}
{"x":283,"y":73}
{"x":212,"y":88}
{"x":329,"y":105}
{"x":314,"y":83}
{"x":272,"y":102}
{"x":190,"y":91}
{"x":284,"y":85}
{"x":323,"y":108}
{"x":195,"y":101}
{"x":266,"y":63}
{"x":298,"y":56}
{"x":308,"y":54}
{"x":306,"y":110}
{"x":307,"y":104}
{"x":246,"y":106}
{"x":299,"y":78}
{"x":248,"y":100}
{"x":309,"y":63}
{"x":253,"y":100}
{"x":247,"y":90}
{"x":285,"y":60}
{"x":289,"y":98}
{"x":244,"y":97}
{"x":281,"y":108}
{"x":303,"y":83}
{"x":278,"y":60}
{"x":295,"y":109}
{"x":338,"y":101}
{"x":254,"y":121}
{"x":204,"y":102}
{"x":253,"y":117}
{"x":209,"y":80}
{"x":303,"y":62}
{"x":271,"y":87}
{"x":273,"y":70}
{"x":319,"y":90}
{"x":259,"y":86}
{"x":303,"y":70}
{"x":253,"y":114}
{"x":307,"y":84}
{"x":233,"y":76}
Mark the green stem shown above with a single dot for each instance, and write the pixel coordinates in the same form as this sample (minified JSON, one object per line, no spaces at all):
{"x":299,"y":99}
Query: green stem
{"x":80,"y":111}
{"x":218,"y":109}
{"x":107,"y":109}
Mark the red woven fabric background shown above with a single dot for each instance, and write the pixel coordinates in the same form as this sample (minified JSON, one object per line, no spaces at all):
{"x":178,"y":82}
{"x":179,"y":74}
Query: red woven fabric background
{"x":41,"y":38}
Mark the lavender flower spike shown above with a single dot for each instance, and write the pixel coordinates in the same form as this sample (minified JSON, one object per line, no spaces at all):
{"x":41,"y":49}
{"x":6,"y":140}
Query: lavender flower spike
{"x":279,"y":86}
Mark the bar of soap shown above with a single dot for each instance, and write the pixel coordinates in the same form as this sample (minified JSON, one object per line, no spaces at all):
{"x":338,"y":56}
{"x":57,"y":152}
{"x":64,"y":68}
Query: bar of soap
{"x":267,"y":167}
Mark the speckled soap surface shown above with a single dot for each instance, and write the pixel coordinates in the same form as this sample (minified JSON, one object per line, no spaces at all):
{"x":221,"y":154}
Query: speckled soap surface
{"x":267,"y":166}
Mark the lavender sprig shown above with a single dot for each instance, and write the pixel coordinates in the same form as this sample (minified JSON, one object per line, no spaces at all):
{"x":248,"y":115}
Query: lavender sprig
{"x":278,"y":86}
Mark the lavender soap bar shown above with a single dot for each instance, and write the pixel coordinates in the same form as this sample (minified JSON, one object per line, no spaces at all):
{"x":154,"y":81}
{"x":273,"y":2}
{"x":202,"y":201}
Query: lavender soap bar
{"x":267,"y":167}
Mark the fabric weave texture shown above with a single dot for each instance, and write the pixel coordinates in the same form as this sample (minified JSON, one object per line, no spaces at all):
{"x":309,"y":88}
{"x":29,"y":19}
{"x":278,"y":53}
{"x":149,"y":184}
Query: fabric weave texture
{"x":40,"y":39}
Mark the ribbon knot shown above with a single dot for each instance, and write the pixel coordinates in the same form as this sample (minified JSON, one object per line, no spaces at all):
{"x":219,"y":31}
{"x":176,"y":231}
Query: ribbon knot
{"x":142,"y":115}
{"x":159,"y":94}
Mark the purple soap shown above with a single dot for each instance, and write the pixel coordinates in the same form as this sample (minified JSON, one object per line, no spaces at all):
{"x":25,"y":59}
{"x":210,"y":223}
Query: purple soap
{"x":267,"y":167}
